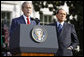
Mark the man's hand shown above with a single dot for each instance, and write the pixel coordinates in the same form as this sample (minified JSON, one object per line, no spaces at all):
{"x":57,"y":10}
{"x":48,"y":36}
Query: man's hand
{"x":70,"y":48}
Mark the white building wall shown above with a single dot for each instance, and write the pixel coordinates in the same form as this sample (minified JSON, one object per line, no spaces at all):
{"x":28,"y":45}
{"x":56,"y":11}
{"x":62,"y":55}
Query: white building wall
{"x":15,"y":8}
{"x":11,"y":6}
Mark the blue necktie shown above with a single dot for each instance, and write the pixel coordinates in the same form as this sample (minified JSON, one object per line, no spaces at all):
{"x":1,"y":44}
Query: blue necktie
{"x":59,"y":28}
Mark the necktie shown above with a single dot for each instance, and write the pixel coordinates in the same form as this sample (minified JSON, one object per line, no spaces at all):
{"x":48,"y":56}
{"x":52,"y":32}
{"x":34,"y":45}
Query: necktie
{"x":59,"y":28}
{"x":28,"y":22}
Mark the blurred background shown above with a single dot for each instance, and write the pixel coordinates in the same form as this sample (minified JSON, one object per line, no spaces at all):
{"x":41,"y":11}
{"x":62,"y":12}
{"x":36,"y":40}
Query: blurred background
{"x":45,"y":11}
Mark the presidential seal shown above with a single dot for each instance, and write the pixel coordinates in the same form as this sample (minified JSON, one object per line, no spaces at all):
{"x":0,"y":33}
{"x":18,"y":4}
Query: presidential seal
{"x":39,"y":34}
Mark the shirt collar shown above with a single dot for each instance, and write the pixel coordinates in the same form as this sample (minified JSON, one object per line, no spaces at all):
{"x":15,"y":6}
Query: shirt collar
{"x":60,"y":23}
{"x":25,"y":18}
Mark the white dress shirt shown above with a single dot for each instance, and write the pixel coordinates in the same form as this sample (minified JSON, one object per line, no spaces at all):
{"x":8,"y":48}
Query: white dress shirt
{"x":62,"y":23}
{"x":25,"y":18}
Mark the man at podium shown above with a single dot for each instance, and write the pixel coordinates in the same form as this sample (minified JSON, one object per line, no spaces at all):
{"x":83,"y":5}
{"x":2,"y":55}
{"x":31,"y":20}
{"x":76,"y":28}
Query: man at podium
{"x":25,"y":18}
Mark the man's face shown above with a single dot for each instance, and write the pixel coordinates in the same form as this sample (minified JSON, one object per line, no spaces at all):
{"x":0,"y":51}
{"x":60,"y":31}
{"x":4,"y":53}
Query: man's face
{"x":61,"y":16}
{"x":27,"y":9}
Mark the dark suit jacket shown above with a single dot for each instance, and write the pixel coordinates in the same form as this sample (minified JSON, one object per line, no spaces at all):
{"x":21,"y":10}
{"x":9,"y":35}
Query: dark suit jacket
{"x":66,"y":38}
{"x":20,"y":20}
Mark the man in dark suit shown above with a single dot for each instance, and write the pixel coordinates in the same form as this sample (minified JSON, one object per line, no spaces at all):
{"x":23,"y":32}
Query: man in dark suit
{"x":25,"y":18}
{"x":66,"y":34}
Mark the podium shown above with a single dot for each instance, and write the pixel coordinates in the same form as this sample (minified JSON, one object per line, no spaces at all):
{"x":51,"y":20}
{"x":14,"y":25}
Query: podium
{"x":22,"y":42}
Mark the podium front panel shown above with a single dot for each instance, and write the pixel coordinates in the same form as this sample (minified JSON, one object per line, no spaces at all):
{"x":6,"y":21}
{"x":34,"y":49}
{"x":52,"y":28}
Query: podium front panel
{"x":22,"y":40}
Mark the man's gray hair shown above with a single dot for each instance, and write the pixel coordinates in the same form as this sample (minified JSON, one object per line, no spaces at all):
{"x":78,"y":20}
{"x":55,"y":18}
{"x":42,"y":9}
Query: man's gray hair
{"x":60,"y":9}
{"x":26,"y":3}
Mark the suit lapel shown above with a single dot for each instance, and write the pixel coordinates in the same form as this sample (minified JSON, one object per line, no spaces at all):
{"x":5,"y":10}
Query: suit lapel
{"x":22,"y":20}
{"x":33,"y":21}
{"x":63,"y":29}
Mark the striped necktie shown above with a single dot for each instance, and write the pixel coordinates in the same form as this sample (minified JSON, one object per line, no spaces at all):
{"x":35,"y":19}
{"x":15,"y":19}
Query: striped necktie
{"x":59,"y":28}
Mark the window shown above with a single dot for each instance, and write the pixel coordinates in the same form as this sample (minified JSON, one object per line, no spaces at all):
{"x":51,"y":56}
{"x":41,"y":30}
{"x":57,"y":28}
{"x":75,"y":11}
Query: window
{"x":5,"y":17}
{"x":46,"y":19}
